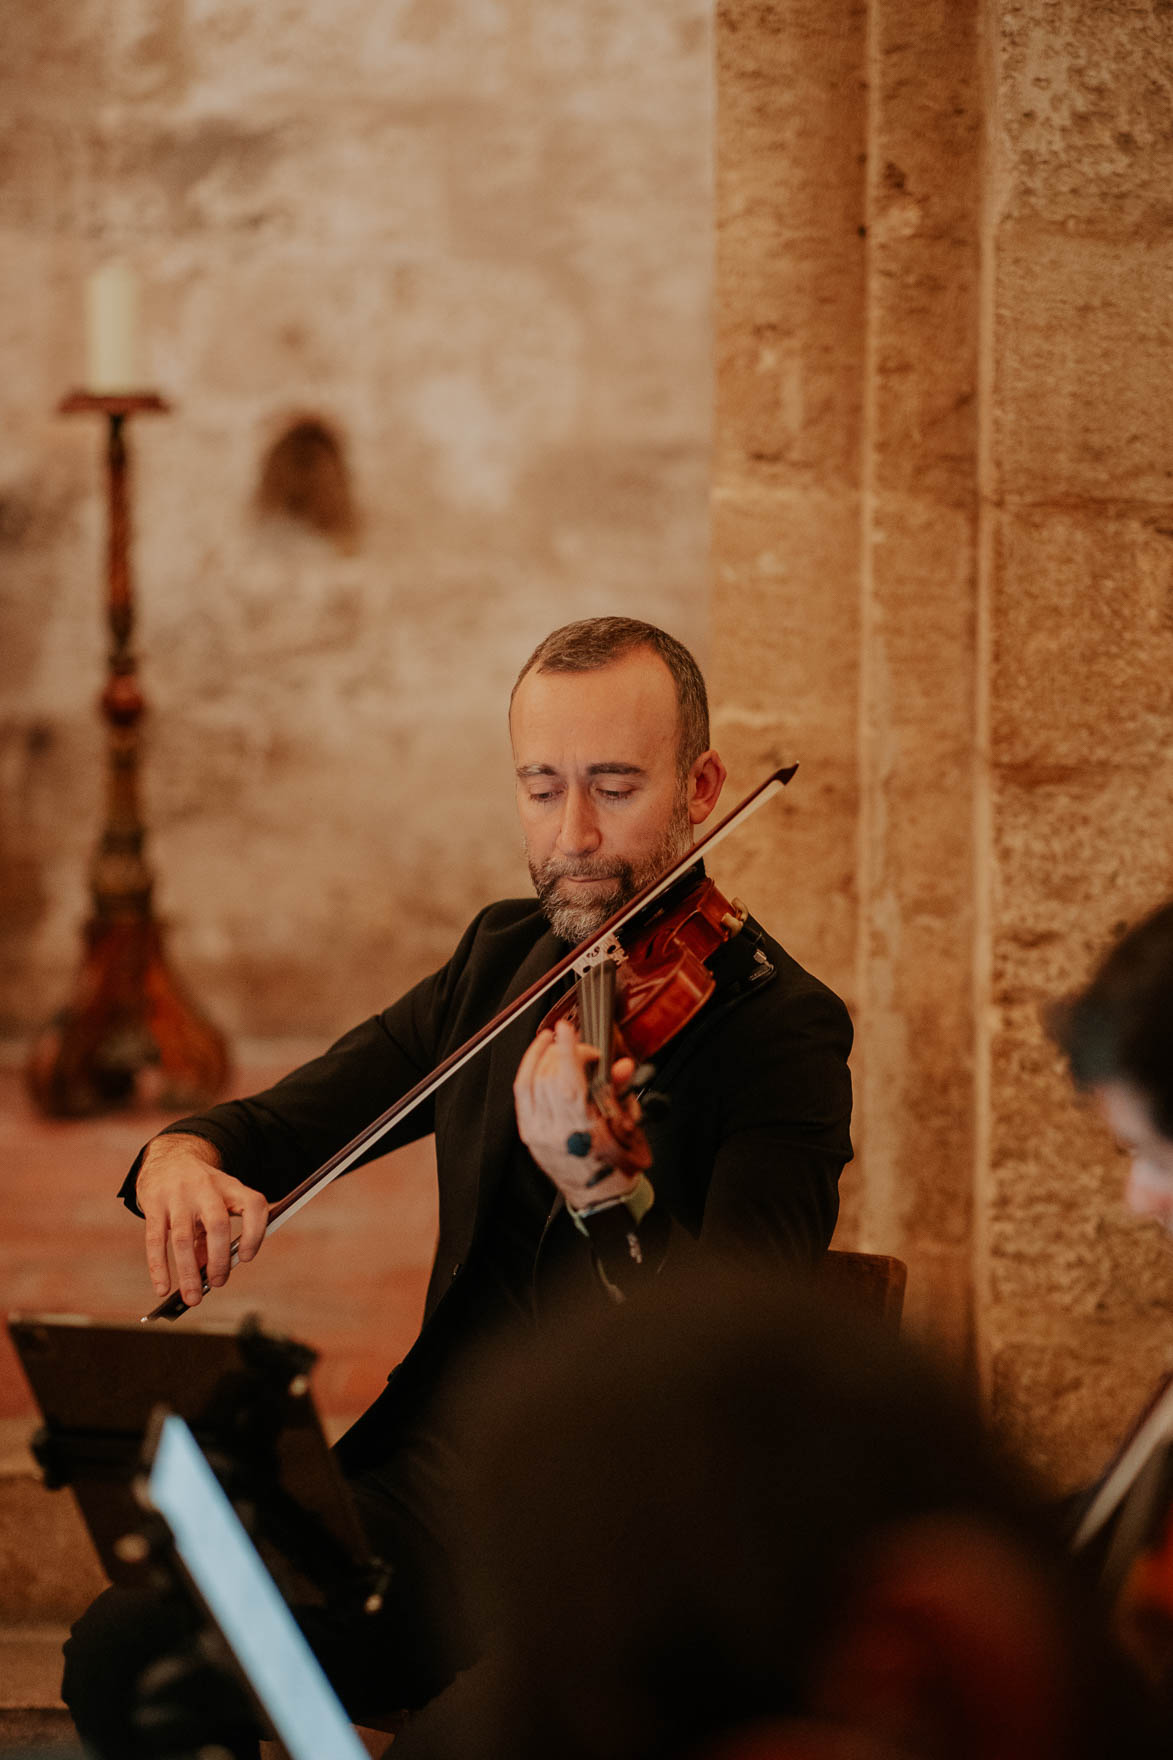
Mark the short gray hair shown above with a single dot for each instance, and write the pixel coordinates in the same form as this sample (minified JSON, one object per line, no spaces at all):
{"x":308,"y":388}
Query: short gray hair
{"x":594,"y":642}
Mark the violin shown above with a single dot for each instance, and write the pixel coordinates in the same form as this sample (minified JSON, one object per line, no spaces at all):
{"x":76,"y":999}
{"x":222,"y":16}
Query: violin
{"x":633,"y":1004}
{"x":658,"y":997}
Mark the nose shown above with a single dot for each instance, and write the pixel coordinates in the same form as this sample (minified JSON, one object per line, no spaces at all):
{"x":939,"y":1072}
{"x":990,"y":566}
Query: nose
{"x":1149,"y":1193}
{"x":578,"y":833}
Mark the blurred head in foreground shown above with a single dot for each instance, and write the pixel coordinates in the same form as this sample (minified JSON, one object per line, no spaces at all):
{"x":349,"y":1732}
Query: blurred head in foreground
{"x":744,"y":1527}
{"x":1118,"y":1037}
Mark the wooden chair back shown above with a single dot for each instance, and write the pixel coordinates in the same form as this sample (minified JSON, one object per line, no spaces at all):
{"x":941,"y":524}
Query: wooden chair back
{"x":873,"y":1281}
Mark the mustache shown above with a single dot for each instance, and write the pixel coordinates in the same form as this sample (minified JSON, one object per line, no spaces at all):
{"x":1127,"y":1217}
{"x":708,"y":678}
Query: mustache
{"x":583,"y":868}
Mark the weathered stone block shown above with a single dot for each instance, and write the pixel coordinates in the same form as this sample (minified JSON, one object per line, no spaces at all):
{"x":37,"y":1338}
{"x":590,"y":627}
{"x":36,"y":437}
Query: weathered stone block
{"x":1082,"y":128}
{"x":1079,"y":852}
{"x":1085,"y":339}
{"x":1082,"y":638}
{"x":778,"y":553}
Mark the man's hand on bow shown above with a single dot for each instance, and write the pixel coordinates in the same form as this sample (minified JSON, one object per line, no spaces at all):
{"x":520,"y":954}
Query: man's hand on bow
{"x":188,"y":1201}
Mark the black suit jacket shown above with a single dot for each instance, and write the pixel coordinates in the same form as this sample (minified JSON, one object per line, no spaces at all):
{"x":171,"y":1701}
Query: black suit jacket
{"x":746,"y":1156}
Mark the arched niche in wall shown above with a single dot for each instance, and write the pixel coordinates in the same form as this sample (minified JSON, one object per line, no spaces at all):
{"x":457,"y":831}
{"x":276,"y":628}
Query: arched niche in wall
{"x":305,"y":479}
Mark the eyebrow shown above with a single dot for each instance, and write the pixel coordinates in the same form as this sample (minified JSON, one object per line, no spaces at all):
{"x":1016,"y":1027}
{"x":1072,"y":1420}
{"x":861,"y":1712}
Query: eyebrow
{"x":608,"y":769}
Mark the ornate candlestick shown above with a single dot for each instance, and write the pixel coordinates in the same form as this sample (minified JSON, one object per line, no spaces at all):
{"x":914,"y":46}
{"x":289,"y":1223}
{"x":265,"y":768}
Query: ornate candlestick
{"x":129,"y":1034}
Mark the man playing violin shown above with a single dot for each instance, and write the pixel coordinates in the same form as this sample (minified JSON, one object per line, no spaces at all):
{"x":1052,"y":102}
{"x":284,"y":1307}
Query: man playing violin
{"x":614,"y":771}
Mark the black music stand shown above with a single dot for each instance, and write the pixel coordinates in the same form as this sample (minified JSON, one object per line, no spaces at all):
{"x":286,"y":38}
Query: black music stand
{"x":246,"y":1396}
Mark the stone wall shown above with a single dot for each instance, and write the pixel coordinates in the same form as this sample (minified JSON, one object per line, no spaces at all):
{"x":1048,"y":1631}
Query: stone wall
{"x":1078,"y":480}
{"x":473,"y":236}
{"x":942,"y":580}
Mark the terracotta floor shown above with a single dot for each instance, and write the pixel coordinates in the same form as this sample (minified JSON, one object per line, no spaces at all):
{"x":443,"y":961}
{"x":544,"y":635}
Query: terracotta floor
{"x":347,"y":1274}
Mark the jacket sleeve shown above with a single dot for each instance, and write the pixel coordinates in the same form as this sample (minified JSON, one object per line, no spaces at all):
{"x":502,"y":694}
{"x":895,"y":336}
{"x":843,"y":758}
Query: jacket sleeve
{"x":785,"y":1133}
{"x":274,"y":1139}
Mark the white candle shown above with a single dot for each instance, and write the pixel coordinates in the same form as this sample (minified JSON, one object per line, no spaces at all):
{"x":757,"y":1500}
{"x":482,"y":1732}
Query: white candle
{"x":112,"y":330}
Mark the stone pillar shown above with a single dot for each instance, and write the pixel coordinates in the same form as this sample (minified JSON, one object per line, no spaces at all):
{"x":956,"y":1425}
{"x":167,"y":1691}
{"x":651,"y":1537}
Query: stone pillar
{"x":942,"y":514}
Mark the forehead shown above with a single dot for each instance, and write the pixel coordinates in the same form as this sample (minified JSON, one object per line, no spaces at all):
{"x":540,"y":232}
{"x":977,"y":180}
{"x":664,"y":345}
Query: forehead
{"x":624,"y":711}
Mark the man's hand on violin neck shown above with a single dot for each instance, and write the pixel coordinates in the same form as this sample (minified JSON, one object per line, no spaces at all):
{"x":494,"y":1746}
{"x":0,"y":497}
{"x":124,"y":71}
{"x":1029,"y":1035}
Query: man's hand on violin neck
{"x":189,"y":1202}
{"x":550,"y":1097}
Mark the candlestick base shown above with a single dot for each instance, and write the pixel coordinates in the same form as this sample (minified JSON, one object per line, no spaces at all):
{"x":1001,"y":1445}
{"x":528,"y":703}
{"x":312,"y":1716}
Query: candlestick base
{"x":130,"y":1036}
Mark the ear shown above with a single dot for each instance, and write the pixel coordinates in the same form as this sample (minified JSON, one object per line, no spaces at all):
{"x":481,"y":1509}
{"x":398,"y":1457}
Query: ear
{"x":951,"y":1643}
{"x":706,"y":779}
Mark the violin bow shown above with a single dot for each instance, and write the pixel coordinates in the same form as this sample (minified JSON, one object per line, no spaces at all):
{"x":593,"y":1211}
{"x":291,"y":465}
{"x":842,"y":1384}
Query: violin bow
{"x":605,"y":945}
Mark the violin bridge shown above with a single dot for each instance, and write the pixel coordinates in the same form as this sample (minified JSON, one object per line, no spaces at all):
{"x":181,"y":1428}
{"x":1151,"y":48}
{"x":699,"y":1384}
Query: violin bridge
{"x":607,"y":948}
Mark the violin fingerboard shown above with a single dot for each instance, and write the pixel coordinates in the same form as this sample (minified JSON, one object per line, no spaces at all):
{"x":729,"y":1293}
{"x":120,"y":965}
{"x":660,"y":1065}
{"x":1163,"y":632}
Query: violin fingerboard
{"x":596,"y":1015}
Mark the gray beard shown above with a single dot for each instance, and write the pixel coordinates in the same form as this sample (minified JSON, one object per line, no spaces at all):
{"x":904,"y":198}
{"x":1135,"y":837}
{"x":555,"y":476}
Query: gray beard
{"x":575,"y":922}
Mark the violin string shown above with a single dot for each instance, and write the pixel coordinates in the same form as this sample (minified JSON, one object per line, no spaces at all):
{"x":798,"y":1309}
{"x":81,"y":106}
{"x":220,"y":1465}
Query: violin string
{"x":589,"y":1018}
{"x":605,"y":1023}
{"x":606,"y":1018}
{"x":596,"y":1014}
